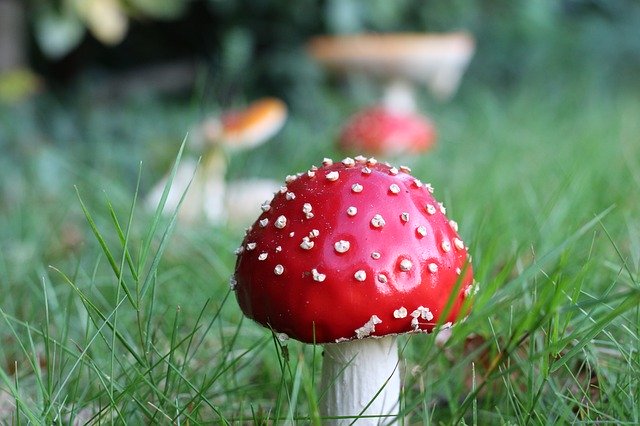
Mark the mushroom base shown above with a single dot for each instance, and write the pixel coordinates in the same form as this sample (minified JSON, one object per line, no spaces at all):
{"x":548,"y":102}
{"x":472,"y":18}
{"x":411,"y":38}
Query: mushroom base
{"x":361,"y":378}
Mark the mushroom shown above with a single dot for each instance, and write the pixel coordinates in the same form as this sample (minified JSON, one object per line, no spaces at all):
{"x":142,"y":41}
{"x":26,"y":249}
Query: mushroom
{"x":382,"y":131}
{"x":208,"y":195}
{"x":436,"y":60}
{"x":400,"y":59}
{"x":349,"y":255}
{"x":246,"y":128}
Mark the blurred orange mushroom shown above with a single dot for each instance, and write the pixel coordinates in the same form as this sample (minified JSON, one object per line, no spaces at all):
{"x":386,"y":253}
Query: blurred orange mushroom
{"x":248,"y":127}
{"x":209,"y":197}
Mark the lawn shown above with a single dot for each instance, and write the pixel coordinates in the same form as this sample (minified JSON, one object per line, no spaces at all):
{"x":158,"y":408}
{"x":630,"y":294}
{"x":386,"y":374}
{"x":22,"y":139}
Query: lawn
{"x":113,"y":313}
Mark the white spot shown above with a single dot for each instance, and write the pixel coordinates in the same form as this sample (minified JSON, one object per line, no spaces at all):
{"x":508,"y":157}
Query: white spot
{"x":356,"y":187}
{"x":404,"y":216}
{"x":372,"y":161}
{"x":317,"y":276}
{"x":306,"y":209}
{"x":405,"y":169}
{"x":280,"y":222}
{"x":393,"y":171}
{"x":251,"y":246}
{"x":342,"y":246}
{"x":264,"y":222}
{"x":278,"y":270}
{"x":360,"y":275}
{"x":426,"y":314}
{"x":239,"y":250}
{"x":375,"y":255}
{"x":349,"y":162}
{"x":290,"y":178}
{"x":422,"y":312}
{"x":433,"y":268}
{"x":406,"y":265}
{"x":278,"y":249}
{"x":327,"y":161}
{"x":291,"y":234}
{"x":458,"y":243}
{"x":361,"y":159}
{"x":417,"y":183}
{"x":421,"y":230}
{"x":266,"y":206}
{"x":290,"y":196}
{"x":382,"y":278}
{"x":352,"y":211}
{"x":430,"y":208}
{"x":401,"y":312}
{"x":282,"y":337}
{"x":446,"y":246}
{"x":429,"y":187}
{"x":332,"y":176}
{"x":283,"y":189}
{"x":368,"y":327}
{"x":454,"y":225}
{"x":311,"y":173}
{"x":395,"y":189}
{"x":306,"y":243}
{"x":377,"y":221}
{"x":314,"y":233}
{"x":458,"y":271}
{"x":415,"y":324}
{"x":262,"y":256}
{"x":233,"y":282}
{"x":442,"y":209}
{"x":366,"y":171}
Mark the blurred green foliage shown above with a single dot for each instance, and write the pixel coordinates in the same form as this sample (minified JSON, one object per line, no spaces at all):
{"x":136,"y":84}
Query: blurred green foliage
{"x":255,"y":45}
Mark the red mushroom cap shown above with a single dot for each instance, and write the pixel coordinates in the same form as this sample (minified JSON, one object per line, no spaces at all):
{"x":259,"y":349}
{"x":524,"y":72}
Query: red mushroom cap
{"x":381,"y":131}
{"x":351,"y":250}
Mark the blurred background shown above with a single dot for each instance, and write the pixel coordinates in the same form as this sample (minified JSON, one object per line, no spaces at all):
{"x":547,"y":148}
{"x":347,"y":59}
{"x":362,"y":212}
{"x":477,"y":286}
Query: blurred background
{"x":135,"y":75}
{"x":538,"y":136}
{"x":92,"y":89}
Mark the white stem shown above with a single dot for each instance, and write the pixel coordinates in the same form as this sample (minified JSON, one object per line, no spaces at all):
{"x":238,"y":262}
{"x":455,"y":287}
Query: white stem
{"x":399,"y":96}
{"x":210,"y":180}
{"x":361,"y":378}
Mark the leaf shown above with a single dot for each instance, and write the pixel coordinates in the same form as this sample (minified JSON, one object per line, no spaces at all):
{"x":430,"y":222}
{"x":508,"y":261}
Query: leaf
{"x":57,"y":33}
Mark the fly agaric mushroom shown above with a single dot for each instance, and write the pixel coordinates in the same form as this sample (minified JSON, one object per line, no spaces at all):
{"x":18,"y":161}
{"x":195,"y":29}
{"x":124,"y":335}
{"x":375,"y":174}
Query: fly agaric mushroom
{"x":382,"y":131}
{"x":349,"y":255}
{"x":400,"y":60}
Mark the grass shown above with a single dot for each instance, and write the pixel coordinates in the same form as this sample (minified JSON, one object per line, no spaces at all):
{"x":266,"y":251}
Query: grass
{"x":113,"y":314}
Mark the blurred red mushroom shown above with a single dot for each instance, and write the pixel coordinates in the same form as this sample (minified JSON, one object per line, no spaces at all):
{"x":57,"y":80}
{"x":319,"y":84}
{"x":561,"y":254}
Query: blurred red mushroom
{"x":400,"y":60}
{"x":382,"y":131}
